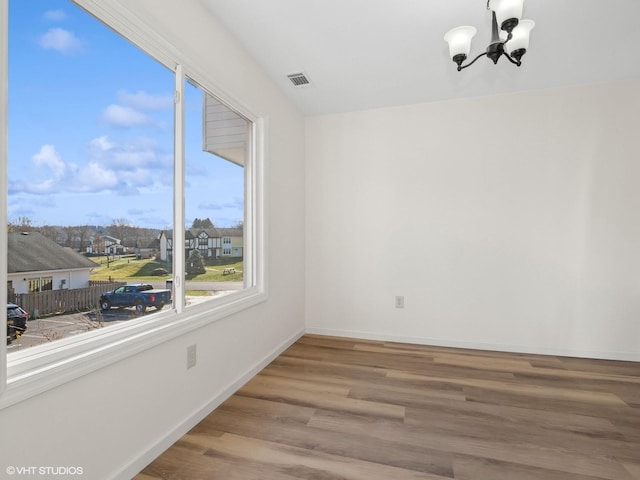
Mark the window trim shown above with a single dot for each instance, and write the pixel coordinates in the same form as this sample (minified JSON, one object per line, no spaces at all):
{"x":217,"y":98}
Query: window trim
{"x":40,"y":368}
{"x":4,"y":77}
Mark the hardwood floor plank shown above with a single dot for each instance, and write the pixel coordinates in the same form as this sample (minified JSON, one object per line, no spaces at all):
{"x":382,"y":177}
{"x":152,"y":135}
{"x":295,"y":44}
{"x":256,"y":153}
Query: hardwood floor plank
{"x":585,"y":442}
{"x":300,"y":461}
{"x":403,"y":396}
{"x":181,"y":464}
{"x":633,"y":469}
{"x":362,"y":358}
{"x":264,"y":389}
{"x":467,"y":442}
{"x":308,"y":384}
{"x":527,"y":390}
{"x":473,"y":468}
{"x":375,"y":450}
{"x":334,"y":371}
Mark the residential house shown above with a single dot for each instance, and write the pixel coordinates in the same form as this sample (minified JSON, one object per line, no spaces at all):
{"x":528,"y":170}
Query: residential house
{"x":167,"y":245}
{"x":151,"y":250}
{"x":232,"y":242}
{"x":106,"y":244}
{"x":501,"y":202}
{"x":36,"y":263}
{"x":207,"y":240}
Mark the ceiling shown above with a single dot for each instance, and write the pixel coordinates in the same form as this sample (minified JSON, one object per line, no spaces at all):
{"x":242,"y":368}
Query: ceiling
{"x":363,"y":54}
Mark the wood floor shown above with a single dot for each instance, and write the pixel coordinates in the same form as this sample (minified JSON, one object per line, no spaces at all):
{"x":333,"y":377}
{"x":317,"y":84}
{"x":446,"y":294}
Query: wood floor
{"x":334,"y":408}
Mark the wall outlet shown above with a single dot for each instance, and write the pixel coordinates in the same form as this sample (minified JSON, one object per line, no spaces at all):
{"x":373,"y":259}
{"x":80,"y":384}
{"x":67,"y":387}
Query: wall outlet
{"x":191,"y":356}
{"x":399,"y":301}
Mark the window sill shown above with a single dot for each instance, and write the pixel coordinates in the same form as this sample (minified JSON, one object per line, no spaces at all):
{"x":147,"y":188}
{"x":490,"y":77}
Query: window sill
{"x":38,"y":369}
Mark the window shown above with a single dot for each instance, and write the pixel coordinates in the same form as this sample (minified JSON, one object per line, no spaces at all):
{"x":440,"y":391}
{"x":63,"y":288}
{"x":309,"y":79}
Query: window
{"x":40,"y":284}
{"x":104,"y":161}
{"x":217,"y":148}
{"x":34,"y":285}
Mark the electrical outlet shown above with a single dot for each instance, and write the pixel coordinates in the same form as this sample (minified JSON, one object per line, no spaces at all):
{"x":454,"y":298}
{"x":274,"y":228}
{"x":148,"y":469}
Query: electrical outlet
{"x":399,"y":301}
{"x":191,"y":356}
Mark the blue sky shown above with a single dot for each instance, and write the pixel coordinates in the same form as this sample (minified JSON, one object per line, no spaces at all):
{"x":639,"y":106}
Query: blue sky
{"x":91,"y":128}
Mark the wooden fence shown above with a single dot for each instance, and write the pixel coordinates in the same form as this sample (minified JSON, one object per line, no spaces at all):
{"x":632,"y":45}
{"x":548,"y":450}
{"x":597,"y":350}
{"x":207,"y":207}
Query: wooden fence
{"x":39,"y":304}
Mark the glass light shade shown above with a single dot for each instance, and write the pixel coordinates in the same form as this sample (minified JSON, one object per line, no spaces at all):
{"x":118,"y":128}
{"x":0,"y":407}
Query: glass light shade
{"x":506,"y":9}
{"x":459,"y":40}
{"x":520,"y":38}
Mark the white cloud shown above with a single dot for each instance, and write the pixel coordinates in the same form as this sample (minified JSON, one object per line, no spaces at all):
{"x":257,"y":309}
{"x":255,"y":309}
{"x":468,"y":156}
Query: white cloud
{"x":48,"y":157}
{"x":120,"y":116}
{"x":101,"y":144}
{"x":131,"y":168}
{"x":60,"y":40}
{"x":130,"y":109}
{"x":142,"y":100}
{"x":55,"y":15}
{"x":138,"y":153}
{"x":94,"y":177}
{"x":236,"y":203}
{"x":47,"y":186}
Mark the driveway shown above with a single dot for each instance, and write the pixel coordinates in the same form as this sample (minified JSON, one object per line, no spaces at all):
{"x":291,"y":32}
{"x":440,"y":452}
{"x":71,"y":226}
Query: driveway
{"x":49,"y":329}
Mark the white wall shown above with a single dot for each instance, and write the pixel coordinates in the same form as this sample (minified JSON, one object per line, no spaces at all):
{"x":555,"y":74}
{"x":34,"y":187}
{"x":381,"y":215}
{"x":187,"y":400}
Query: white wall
{"x":509,"y":222}
{"x":72,"y":278}
{"x":109,"y":420}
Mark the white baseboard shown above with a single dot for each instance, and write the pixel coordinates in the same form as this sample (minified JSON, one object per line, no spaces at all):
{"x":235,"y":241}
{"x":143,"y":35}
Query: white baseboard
{"x":600,"y":355}
{"x":148,"y":455}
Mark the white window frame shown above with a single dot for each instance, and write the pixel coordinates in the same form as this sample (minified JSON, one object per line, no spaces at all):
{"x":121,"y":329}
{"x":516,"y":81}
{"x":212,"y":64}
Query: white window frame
{"x":40,"y":368}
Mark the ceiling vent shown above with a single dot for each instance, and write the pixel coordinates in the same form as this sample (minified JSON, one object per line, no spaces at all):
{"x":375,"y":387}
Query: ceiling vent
{"x":299,"y":79}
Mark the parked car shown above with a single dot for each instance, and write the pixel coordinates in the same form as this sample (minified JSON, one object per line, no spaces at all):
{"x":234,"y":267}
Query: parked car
{"x":16,"y":321}
{"x":139,"y":296}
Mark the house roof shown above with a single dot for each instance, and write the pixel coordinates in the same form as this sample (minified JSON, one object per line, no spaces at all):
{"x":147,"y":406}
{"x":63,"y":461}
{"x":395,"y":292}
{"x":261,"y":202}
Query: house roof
{"x":211,"y":232}
{"x":33,"y":252}
{"x":194,"y":232}
{"x":231,"y":232}
{"x":110,"y":238}
{"x":169,"y":234}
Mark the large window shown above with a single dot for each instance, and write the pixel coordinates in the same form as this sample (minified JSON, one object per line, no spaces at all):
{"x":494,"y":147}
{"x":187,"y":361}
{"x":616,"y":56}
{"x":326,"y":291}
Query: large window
{"x":119,"y":154}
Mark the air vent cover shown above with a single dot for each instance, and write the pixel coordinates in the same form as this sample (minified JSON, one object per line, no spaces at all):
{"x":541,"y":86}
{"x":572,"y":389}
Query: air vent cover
{"x":299,"y":79}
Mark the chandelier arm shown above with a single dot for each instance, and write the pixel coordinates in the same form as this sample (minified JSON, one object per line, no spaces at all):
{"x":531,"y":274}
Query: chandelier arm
{"x":515,"y":62}
{"x":460,"y":67}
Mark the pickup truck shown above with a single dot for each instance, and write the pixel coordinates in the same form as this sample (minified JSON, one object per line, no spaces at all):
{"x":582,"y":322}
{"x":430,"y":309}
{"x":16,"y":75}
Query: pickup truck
{"x":139,"y":296}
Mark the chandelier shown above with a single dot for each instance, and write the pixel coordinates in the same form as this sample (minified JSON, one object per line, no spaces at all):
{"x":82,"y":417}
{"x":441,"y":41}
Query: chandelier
{"x":510,"y":41}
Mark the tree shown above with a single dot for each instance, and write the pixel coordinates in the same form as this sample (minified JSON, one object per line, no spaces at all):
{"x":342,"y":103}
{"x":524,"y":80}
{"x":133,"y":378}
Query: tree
{"x":70,"y":235}
{"x":202,"y":223}
{"x":195,"y":263}
{"x":83,"y":234}
{"x":49,"y":231}
{"x":22,"y":224}
{"x":98,"y":244}
{"x":120,"y":229}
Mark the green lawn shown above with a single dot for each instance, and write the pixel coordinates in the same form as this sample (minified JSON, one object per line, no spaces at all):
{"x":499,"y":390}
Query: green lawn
{"x":216,"y":274}
{"x":131,"y":270}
